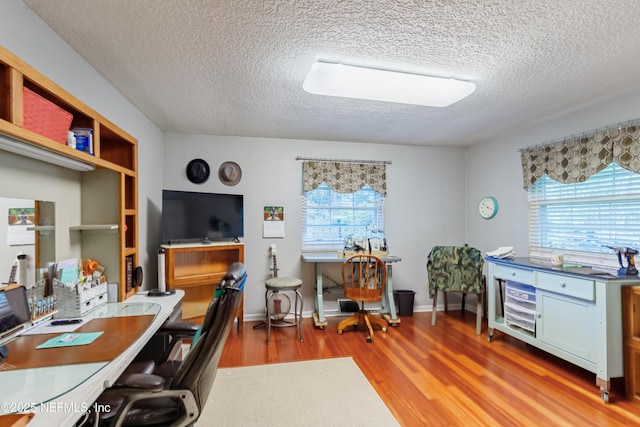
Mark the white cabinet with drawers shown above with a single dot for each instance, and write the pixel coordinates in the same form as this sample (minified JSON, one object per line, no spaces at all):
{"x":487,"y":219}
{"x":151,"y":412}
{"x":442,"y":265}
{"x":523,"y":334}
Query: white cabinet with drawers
{"x":576,"y":317}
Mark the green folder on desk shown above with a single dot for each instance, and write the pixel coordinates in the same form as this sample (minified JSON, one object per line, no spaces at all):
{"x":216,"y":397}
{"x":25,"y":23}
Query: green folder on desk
{"x":71,"y":339}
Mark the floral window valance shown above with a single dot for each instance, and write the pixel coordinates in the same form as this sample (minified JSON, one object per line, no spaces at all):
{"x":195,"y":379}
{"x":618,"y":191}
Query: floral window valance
{"x":576,"y":159}
{"x":345,"y":177}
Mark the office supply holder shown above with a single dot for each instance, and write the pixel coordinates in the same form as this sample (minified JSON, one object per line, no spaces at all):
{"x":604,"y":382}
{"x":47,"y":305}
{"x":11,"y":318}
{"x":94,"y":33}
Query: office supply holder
{"x":75,"y":299}
{"x":41,"y":306}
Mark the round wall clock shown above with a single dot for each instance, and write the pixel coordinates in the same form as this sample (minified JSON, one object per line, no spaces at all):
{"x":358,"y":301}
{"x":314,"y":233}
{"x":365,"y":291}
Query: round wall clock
{"x":488,"y":207}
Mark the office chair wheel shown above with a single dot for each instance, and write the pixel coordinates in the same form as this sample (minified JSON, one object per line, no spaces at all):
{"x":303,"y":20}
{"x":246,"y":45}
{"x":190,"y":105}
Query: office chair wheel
{"x":384,"y":330}
{"x":369,"y":340}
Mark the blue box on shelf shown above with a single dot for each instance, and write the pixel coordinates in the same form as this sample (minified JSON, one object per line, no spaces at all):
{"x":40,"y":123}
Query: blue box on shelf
{"x":84,"y":139}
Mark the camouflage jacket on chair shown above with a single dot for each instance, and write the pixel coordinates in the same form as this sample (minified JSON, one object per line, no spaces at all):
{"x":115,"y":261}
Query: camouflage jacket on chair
{"x":455,"y":268}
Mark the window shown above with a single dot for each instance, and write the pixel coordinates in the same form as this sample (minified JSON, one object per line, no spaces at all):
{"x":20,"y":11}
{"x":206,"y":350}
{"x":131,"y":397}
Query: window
{"x":584,"y":219}
{"x":328,"y":217}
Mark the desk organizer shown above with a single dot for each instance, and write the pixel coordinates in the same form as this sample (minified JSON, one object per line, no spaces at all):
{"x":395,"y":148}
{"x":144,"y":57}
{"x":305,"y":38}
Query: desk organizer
{"x":39,"y":304}
{"x":76,"y":299}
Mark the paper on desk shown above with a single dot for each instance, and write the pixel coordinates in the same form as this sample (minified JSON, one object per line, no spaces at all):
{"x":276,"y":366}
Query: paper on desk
{"x":71,"y":339}
{"x":47,"y":328}
{"x":502,"y":252}
{"x":67,"y":271}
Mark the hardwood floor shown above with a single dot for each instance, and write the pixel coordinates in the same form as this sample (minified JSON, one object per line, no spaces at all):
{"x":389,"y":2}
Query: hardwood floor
{"x":447,"y":375}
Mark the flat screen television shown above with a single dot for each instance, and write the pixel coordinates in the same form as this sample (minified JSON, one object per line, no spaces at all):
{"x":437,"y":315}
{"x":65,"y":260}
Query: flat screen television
{"x":201,"y":217}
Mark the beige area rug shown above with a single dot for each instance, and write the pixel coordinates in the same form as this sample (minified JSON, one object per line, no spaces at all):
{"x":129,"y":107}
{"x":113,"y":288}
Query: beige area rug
{"x":327,"y":392}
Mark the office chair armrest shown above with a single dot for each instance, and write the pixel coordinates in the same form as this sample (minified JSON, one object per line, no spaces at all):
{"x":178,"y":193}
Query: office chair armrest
{"x":161,"y":347}
{"x":140,"y":381}
{"x":178,"y":326}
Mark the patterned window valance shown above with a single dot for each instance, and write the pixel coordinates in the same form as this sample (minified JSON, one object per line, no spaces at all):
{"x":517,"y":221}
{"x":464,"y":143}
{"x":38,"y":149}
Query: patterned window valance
{"x":345,"y":177}
{"x":576,"y":159}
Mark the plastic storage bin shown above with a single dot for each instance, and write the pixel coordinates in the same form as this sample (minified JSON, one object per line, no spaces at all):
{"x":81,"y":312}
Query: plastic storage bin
{"x":520,"y":306}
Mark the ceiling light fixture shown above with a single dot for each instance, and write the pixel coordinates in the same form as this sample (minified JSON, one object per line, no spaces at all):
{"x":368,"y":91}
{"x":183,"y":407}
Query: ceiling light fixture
{"x":17,"y":146}
{"x":348,"y":81}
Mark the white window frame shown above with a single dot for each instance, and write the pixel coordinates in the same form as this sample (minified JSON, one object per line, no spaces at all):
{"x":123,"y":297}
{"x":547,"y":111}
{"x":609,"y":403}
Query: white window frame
{"x":337,"y":229}
{"x":581,"y":220}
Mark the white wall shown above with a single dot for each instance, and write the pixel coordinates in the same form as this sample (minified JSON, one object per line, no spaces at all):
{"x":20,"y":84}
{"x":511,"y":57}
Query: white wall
{"x":25,"y":178}
{"x":8,"y":253}
{"x":424,"y":206}
{"x":494,"y":168}
{"x":25,"y":35}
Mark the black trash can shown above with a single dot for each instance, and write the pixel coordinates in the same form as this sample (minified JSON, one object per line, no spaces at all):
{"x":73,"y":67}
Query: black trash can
{"x":404,"y":302}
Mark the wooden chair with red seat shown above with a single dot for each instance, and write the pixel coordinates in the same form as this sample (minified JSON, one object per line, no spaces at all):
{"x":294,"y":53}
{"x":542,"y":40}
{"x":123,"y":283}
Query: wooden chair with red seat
{"x":364,"y":277}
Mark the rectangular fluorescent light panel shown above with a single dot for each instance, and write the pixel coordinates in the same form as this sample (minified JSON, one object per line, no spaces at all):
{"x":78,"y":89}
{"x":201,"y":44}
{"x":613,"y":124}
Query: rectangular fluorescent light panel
{"x":348,"y":81}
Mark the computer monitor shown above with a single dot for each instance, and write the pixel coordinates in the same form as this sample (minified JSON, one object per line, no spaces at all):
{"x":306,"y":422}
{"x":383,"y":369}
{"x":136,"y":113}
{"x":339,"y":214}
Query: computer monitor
{"x":14,"y":312}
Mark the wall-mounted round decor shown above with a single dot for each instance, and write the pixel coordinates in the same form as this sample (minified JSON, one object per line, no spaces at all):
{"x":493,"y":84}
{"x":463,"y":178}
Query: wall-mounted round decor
{"x":230,"y":173}
{"x":198,"y":171}
{"x":488,"y":207}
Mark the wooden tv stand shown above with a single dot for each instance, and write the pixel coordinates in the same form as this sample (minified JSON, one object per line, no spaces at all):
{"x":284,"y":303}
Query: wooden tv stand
{"x":197,"y":268}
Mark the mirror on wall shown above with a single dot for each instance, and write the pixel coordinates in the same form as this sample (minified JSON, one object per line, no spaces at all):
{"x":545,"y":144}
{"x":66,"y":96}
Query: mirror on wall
{"x":27,"y":227}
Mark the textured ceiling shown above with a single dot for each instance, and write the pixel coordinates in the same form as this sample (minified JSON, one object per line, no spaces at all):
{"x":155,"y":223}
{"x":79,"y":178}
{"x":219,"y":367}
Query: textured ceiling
{"x":236,"y":67}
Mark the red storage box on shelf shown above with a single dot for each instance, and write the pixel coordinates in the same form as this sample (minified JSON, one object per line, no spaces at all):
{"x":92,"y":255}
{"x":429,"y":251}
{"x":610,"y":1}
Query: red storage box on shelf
{"x":45,"y":118}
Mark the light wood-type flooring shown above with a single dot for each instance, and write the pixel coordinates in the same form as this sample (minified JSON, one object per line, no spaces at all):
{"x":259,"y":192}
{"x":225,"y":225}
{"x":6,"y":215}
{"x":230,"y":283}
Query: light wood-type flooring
{"x":447,"y":375}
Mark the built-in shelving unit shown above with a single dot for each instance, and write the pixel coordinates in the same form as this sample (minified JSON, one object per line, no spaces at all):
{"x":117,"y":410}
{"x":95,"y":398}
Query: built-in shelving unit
{"x":109,"y":208}
{"x":197,"y":269}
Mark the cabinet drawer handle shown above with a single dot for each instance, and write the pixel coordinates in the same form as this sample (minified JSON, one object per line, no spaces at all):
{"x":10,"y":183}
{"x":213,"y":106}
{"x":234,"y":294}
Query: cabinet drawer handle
{"x":563,"y":285}
{"x":513,"y":273}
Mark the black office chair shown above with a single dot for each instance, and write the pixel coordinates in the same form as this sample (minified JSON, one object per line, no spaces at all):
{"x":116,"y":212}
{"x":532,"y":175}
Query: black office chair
{"x":175,"y":394}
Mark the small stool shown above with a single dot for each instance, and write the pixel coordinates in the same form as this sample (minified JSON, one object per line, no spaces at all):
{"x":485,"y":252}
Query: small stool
{"x":273,"y":298}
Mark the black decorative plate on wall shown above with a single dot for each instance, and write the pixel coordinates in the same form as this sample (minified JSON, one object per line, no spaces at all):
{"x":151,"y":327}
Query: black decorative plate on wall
{"x":198,"y":171}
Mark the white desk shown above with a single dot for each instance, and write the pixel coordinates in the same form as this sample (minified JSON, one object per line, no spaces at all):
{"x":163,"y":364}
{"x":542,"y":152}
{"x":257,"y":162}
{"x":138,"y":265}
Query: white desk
{"x":388,"y":304}
{"x":58,"y":395}
{"x":572,"y":313}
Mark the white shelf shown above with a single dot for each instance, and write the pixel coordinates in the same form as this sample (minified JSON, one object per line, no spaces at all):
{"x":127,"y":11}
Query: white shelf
{"x":94,"y":227}
{"x":42,"y":228}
